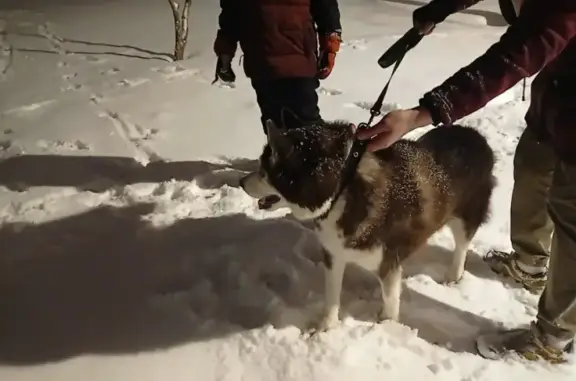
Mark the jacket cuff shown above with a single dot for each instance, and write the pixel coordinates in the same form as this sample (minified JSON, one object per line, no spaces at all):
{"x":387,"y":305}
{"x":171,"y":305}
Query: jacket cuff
{"x":435,"y":11}
{"x":224,"y":45}
{"x":439,"y":107}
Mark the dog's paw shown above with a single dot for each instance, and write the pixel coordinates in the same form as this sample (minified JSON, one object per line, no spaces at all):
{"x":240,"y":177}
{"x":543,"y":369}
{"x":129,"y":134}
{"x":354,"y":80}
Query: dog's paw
{"x":387,"y":314}
{"x":451,"y":278}
{"x":324,"y":324}
{"x":449,"y":283}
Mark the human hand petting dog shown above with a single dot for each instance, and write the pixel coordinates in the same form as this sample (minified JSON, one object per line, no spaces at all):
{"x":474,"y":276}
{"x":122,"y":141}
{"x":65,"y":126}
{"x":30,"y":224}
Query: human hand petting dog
{"x":393,"y":126}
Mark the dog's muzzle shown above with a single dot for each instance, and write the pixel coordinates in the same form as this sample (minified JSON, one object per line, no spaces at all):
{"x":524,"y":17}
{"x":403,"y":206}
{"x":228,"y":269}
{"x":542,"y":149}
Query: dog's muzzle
{"x":266,"y":202}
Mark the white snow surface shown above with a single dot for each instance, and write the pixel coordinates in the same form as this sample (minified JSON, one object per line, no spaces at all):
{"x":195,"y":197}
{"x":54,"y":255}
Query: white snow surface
{"x":128,"y":251}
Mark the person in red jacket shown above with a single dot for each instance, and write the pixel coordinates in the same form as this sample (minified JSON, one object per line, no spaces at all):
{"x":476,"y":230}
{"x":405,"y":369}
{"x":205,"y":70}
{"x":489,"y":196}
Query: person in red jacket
{"x":280,"y":41}
{"x":543,"y":209}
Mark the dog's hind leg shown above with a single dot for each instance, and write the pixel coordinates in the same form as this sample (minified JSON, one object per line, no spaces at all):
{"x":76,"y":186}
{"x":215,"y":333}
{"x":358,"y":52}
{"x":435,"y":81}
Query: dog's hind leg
{"x":467,"y":219}
{"x":462,"y":236}
{"x":333,"y":278}
{"x":390,"y":275}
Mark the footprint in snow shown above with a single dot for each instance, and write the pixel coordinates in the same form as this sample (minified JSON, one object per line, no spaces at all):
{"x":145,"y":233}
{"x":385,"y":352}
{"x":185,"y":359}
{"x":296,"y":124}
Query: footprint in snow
{"x":68,"y":77}
{"x":55,"y":42}
{"x":360,"y":44}
{"x":176,"y":71}
{"x":329,"y":92}
{"x":93,"y":59}
{"x":111,"y":71}
{"x":73,"y":87}
{"x":96,"y":99}
{"x":5,"y":144}
{"x":134,"y":135}
{"x":132,"y":82}
{"x":9,"y":149}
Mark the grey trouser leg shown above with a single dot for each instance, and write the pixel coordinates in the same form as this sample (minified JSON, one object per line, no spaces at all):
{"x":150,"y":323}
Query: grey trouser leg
{"x":530,"y":225}
{"x":557,"y":307}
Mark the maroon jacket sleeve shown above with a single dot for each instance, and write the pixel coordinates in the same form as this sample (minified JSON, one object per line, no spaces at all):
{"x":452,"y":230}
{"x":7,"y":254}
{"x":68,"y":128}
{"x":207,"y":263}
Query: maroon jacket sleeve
{"x":326,"y":15}
{"x":540,"y":34}
{"x":437,"y":11}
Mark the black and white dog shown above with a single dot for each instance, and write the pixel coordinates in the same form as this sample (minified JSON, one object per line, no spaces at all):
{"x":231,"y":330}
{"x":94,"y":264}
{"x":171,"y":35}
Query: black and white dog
{"x":386,"y":207}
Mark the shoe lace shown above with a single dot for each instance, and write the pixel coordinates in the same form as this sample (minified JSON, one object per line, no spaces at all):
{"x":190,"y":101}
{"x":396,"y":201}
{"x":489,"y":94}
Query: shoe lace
{"x":541,"y":350}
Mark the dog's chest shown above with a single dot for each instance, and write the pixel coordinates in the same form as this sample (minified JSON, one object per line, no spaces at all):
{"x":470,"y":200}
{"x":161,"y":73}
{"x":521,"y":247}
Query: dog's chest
{"x":334,"y":241}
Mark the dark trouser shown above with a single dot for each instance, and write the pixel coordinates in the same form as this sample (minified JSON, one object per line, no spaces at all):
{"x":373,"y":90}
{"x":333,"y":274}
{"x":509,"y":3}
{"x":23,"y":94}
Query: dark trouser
{"x":295,"y":94}
{"x":543,"y":228}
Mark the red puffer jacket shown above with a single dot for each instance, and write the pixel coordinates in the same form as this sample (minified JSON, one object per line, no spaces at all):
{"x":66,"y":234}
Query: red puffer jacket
{"x":278,"y":37}
{"x":541,"y":39}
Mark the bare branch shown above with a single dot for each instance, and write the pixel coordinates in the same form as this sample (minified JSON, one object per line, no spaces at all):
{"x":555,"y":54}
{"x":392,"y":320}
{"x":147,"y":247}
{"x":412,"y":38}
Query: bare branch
{"x":180,"y":27}
{"x":185,"y":15}
{"x":184,"y":26}
{"x":174,"y":5}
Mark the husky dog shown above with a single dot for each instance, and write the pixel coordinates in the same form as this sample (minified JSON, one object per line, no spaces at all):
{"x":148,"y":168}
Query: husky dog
{"x":376,"y":209}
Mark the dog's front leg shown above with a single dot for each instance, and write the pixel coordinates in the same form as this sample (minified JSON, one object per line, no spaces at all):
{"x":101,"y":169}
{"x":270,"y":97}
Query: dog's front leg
{"x":391,"y":283}
{"x":333,"y":277}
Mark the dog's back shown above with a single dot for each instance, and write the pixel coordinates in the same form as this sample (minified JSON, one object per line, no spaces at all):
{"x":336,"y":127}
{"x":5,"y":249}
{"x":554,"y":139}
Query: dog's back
{"x":423,"y":184}
{"x":467,"y":161}
{"x":462,"y":152}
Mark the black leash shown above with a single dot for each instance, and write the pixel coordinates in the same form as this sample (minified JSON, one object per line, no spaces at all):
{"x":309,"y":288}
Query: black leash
{"x":393,"y":56}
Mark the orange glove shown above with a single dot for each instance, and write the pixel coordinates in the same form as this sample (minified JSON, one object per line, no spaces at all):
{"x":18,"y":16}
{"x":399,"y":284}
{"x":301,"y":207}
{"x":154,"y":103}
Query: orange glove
{"x":329,"y":46}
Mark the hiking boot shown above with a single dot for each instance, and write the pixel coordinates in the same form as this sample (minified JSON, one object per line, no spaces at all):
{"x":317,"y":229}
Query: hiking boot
{"x":506,"y":264}
{"x":530,"y":343}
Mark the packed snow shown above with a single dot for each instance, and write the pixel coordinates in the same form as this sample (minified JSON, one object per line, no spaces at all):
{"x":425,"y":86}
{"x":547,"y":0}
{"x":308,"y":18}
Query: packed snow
{"x":128,"y":251}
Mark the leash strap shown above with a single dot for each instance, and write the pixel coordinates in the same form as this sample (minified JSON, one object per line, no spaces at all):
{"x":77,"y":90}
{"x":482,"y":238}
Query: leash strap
{"x":376,"y":109}
{"x":394,"y":55}
{"x":359,"y":146}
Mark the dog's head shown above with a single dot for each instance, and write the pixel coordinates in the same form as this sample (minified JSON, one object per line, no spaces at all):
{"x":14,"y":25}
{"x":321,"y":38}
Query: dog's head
{"x":300,"y":168}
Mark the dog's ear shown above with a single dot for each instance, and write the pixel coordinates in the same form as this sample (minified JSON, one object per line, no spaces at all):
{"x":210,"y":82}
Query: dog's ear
{"x":289,"y":119}
{"x":271,"y":128}
{"x":277,"y":138}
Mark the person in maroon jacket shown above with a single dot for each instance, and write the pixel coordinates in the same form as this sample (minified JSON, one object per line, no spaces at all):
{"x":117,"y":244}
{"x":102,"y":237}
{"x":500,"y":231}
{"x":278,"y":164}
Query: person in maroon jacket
{"x":543,"y":209}
{"x":280,"y":41}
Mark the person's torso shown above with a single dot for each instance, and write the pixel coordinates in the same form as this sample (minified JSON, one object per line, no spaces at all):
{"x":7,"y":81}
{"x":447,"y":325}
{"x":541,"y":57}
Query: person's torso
{"x":278,"y":38}
{"x":553,"y":102}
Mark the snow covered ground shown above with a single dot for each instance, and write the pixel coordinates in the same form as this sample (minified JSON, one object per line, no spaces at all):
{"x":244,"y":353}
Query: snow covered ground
{"x":128,"y":252}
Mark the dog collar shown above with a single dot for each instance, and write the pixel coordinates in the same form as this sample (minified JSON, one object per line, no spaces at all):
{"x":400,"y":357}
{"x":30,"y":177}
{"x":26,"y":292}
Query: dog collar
{"x":352,"y":160}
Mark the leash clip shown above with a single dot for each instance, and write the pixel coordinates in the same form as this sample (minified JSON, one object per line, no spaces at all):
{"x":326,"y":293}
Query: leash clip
{"x":363,"y":126}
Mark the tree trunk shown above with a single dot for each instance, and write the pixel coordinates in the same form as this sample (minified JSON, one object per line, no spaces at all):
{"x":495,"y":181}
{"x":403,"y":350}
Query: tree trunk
{"x":180,"y":28}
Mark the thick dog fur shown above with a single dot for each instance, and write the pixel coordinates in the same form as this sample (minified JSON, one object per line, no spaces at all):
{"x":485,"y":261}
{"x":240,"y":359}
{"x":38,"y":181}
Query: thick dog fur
{"x":395,"y":201}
